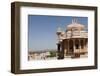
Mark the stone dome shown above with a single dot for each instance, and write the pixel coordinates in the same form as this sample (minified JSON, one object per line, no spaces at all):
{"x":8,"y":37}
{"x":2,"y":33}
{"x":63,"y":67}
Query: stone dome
{"x":75,"y":25}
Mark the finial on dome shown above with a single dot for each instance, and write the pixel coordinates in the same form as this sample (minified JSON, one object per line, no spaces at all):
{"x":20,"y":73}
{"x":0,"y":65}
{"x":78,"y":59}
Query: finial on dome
{"x":74,"y":20}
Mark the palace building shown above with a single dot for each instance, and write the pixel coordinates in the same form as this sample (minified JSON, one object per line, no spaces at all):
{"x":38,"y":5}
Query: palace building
{"x":73,"y":42}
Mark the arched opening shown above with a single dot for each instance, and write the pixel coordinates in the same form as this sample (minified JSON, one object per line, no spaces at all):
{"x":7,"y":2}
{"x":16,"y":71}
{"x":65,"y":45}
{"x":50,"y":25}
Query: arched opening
{"x":71,"y":50}
{"x":76,"y":44}
{"x":82,"y":44}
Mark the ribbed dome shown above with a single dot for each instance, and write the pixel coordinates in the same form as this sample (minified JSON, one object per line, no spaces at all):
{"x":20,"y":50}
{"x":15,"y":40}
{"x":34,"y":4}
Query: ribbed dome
{"x":75,"y":25}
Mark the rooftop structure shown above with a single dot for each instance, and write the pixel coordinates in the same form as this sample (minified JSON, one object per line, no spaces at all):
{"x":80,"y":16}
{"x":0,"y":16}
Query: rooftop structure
{"x":73,"y":41}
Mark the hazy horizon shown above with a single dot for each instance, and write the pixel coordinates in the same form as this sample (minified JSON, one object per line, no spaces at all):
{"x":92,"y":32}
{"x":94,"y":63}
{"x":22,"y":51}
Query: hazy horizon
{"x":43,"y":50}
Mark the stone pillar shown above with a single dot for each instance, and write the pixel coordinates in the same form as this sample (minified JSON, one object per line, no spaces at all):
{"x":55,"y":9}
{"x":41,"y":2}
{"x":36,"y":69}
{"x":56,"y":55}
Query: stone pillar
{"x":65,"y":48}
{"x":74,"y":46}
{"x":58,"y":49}
{"x":68,"y":46}
{"x":62,"y":50}
{"x":79,"y":45}
{"x":84,"y":46}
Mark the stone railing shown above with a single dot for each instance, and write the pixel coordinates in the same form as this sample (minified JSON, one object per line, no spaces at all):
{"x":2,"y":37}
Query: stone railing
{"x":77,"y":34}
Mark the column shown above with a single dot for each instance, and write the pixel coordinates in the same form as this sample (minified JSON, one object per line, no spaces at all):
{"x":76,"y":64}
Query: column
{"x":58,"y":46}
{"x":68,"y":46}
{"x":79,"y":45}
{"x":74,"y":46}
{"x":84,"y":46}
{"x":62,"y":50}
{"x":65,"y":48}
{"x":58,"y":49}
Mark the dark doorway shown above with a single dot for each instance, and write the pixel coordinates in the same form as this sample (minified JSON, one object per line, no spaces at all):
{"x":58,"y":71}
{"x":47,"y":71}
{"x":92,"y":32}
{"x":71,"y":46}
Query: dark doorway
{"x":71,"y":50}
{"x":76,"y":44}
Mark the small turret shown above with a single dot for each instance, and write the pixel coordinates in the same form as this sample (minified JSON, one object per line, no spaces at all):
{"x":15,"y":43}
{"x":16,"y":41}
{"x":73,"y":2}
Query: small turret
{"x":59,"y":32}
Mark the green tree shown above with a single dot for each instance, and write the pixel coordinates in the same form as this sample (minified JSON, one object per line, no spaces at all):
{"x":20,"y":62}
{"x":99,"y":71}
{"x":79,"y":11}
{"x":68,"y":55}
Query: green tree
{"x":52,"y":53}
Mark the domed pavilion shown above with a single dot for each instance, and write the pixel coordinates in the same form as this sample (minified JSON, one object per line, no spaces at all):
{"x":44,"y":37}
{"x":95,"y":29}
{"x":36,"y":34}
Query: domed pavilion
{"x":73,"y":42}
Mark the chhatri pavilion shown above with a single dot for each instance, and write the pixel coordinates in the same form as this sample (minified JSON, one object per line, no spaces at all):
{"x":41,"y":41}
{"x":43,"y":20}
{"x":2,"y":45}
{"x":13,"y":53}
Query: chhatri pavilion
{"x":73,"y":42}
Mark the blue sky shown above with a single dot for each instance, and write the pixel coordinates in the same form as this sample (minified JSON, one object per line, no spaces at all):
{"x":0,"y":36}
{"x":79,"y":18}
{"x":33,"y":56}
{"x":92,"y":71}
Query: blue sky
{"x":42,"y":30}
